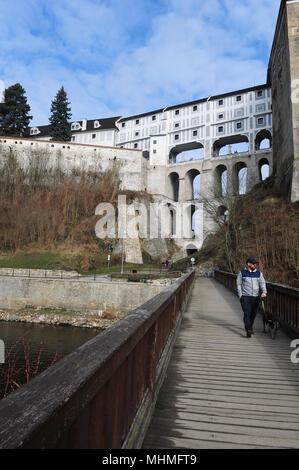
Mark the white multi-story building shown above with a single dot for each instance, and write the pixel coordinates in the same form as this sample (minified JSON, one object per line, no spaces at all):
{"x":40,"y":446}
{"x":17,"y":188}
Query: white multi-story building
{"x":211,"y":123}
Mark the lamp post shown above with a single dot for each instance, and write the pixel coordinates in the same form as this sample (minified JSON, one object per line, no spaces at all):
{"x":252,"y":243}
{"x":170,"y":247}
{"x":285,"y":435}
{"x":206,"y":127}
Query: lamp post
{"x":122,"y":256}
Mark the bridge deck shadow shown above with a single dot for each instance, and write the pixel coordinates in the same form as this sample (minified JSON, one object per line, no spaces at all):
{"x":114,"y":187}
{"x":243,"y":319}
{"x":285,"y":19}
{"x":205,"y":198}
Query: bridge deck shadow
{"x":223,"y":390}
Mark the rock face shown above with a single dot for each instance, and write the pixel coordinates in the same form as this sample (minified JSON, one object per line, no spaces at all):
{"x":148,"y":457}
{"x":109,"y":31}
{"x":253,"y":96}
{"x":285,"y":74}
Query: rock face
{"x":101,"y":320}
{"x":204,"y":270}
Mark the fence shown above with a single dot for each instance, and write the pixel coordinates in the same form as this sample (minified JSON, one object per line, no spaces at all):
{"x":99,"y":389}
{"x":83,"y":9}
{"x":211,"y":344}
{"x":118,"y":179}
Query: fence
{"x":39,"y":273}
{"x":101,"y":395}
{"x":282,"y":301}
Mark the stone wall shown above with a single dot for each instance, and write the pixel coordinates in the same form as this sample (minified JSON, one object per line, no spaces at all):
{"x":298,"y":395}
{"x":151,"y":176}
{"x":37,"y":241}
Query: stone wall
{"x":74,"y":295}
{"x":283,"y":74}
{"x":68,"y":156}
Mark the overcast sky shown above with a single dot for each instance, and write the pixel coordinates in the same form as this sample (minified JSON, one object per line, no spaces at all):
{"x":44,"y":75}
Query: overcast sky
{"x":125,"y":57}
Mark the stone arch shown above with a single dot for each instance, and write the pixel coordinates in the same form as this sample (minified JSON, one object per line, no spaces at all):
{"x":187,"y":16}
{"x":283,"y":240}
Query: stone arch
{"x":187,"y":147}
{"x":230,"y":141}
{"x":174,"y":185}
{"x":191,"y":220}
{"x":261,"y":136}
{"x":220,"y":180}
{"x":172,"y":219}
{"x":264,"y":168}
{"x":240,"y":178}
{"x":190,"y":249}
{"x":192,"y":181}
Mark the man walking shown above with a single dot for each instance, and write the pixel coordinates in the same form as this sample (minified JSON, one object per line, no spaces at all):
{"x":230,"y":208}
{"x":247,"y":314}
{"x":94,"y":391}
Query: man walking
{"x":250,"y":282}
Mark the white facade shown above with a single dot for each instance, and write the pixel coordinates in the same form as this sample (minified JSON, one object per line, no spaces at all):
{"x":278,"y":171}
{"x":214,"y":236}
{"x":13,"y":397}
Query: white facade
{"x":199,"y":123}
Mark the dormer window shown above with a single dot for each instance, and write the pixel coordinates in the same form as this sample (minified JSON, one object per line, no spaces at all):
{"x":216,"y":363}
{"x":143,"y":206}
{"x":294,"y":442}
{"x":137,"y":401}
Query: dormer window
{"x":75,"y":126}
{"x":97,"y":124}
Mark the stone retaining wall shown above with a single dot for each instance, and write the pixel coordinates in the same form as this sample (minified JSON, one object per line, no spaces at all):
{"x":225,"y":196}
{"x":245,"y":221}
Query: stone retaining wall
{"x":44,"y":273}
{"x":74,"y":295}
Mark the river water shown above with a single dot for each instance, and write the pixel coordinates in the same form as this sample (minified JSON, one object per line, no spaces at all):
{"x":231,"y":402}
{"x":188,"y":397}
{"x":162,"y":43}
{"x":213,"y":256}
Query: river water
{"x":54,"y":340}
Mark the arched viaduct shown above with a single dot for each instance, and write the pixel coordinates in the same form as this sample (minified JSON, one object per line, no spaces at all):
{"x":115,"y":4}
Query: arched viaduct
{"x":185,"y":186}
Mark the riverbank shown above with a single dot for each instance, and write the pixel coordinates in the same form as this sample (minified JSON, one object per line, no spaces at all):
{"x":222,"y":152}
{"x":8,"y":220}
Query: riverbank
{"x":62,"y":317}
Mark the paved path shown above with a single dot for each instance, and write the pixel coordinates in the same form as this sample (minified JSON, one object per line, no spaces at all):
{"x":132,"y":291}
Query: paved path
{"x":223,"y":390}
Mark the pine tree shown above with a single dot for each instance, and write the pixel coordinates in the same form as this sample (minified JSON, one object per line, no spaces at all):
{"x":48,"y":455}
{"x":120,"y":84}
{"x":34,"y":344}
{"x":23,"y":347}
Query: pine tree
{"x":14,"y":112}
{"x":60,"y":116}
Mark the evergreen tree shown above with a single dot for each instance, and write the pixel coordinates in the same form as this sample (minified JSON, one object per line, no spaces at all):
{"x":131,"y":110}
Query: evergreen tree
{"x":14,"y":112}
{"x":60,"y":116}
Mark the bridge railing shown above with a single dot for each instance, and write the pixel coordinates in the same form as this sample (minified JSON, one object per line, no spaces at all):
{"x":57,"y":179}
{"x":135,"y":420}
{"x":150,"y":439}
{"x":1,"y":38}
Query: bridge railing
{"x":282,"y":301}
{"x":102,"y":395}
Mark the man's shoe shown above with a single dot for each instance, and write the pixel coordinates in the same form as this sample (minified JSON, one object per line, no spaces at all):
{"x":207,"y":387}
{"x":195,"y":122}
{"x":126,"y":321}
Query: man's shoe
{"x":248,"y":333}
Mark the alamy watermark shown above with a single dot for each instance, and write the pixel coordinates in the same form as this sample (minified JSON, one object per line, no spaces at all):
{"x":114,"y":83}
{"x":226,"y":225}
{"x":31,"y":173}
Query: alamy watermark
{"x":2,"y":352}
{"x":148,"y":221}
{"x":295,"y":353}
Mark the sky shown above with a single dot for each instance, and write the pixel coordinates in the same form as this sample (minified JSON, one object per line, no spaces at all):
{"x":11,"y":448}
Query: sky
{"x":126,"y":57}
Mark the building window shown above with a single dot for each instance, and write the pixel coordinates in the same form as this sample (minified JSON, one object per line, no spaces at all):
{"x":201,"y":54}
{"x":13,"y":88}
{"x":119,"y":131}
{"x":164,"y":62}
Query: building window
{"x":123,"y":124}
{"x":94,"y":136}
{"x":194,"y":133}
{"x":154,"y":118}
{"x":73,"y":138}
{"x":238,"y":98}
{"x":176,"y":125}
{"x":220,"y":102}
{"x":195,"y":108}
{"x":136,"y":134}
{"x":259,"y":94}
{"x":177,"y":112}
{"x":154,"y":142}
{"x":154,"y":151}
{"x":260,"y":121}
{"x":176,"y":137}
{"x":135,"y":146}
{"x":137,"y":121}
{"x":220,"y":129}
{"x":220,"y":116}
{"x":260,"y":108}
{"x":239,"y":125}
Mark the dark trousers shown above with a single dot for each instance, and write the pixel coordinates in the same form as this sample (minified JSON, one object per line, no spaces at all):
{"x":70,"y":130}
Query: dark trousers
{"x":249,"y":307}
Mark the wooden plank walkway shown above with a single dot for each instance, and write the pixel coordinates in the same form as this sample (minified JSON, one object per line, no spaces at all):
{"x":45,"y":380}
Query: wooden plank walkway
{"x":223,"y":390}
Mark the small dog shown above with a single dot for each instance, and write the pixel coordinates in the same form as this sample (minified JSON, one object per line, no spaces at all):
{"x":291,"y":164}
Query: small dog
{"x":270,"y":322}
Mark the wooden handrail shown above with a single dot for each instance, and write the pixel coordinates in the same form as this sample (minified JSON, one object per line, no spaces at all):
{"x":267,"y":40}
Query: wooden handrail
{"x":91,"y":397}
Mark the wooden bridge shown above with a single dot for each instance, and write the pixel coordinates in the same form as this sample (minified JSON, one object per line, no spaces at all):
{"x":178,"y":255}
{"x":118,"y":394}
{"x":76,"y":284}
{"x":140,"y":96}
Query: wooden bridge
{"x":178,"y":372}
{"x":223,"y":390}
